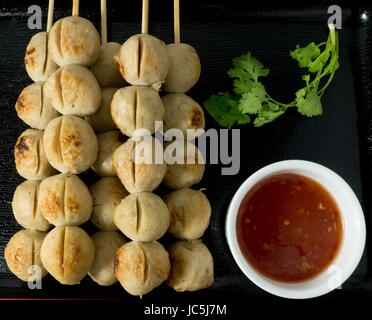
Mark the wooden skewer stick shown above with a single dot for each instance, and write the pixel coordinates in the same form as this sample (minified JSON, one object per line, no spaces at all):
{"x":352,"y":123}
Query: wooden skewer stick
{"x":145,"y":16}
{"x":75,"y":7}
{"x":50,"y":15}
{"x":176,"y":14}
{"x":103,"y":22}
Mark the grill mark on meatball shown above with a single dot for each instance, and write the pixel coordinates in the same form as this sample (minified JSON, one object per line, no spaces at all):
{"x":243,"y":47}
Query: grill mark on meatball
{"x":38,"y":155}
{"x":22,"y":146}
{"x":33,"y":253}
{"x":133,"y":164}
{"x":195,"y":118}
{"x":59,"y":133}
{"x":41,"y":100}
{"x":145,"y":264}
{"x":139,"y":57}
{"x":20,"y":104}
{"x":34,"y":205}
{"x":135,"y":102}
{"x":62,"y":251}
{"x":64,"y":199}
{"x":29,"y":59}
{"x":59,"y":38}
{"x":60,"y":89}
{"x":46,"y":54}
{"x":139,"y":213}
{"x":30,"y":51}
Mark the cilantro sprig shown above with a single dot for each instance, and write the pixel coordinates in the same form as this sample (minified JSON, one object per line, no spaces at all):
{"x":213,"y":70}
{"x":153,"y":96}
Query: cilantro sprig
{"x":251,"y":101}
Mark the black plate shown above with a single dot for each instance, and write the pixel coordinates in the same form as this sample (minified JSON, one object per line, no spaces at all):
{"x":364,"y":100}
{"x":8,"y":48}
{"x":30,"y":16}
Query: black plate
{"x":340,"y":139}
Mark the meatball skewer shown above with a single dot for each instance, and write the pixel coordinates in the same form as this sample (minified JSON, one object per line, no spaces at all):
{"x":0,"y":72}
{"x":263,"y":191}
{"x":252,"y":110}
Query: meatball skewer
{"x":32,"y":106}
{"x":181,"y":111}
{"x":137,"y":106}
{"x":74,"y":40}
{"x":106,"y":69}
{"x":143,"y":59}
{"x":184,"y":70}
{"x":73,"y":45}
{"x":39,"y":65}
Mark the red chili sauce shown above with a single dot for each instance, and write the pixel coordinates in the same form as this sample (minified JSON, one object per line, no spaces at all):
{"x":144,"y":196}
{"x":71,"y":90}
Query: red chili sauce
{"x":289,"y":228}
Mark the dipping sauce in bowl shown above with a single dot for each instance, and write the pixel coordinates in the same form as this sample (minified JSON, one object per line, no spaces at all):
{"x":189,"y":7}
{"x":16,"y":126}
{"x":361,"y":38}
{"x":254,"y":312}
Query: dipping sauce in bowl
{"x":289,"y":227}
{"x":296,"y":229}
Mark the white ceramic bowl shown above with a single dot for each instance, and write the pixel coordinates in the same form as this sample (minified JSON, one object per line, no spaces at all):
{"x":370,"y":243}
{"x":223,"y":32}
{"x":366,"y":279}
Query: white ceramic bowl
{"x":354,"y":231}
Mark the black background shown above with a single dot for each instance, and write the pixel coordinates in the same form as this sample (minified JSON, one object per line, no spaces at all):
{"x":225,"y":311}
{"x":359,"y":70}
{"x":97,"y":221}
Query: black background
{"x":220,"y":30}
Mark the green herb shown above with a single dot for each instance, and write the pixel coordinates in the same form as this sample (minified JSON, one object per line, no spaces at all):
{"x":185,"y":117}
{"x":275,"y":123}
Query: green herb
{"x":251,"y":101}
{"x":224,"y":109}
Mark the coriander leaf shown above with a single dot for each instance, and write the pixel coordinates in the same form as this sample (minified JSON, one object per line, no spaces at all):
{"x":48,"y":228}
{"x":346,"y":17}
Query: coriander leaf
{"x":241,"y":86}
{"x":224,"y":109}
{"x":319,"y":63}
{"x":251,"y":101}
{"x":268,"y":113}
{"x":308,"y":102}
{"x":306,"y":78}
{"x":305,"y":56}
{"x":334,"y":59}
{"x":335,"y":65}
{"x":247,"y":67}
